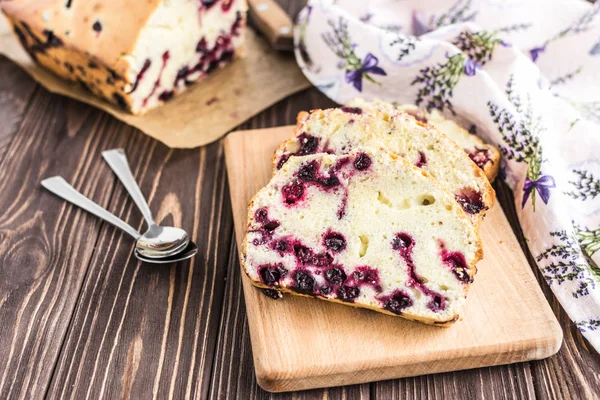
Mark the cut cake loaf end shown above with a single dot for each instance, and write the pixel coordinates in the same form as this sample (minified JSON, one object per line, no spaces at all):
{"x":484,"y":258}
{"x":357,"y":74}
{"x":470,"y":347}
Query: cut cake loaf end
{"x":135,"y":54}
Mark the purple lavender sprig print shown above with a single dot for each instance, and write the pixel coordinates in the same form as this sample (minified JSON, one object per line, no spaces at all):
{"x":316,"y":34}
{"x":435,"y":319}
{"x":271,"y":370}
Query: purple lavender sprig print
{"x":404,"y":45}
{"x":586,"y":186}
{"x":582,"y":24}
{"x":521,"y":136}
{"x":437,"y":82}
{"x":569,"y":76}
{"x":589,"y":239}
{"x":461,"y":11}
{"x":338,"y":40}
{"x":566,"y":263}
{"x":478,"y":46}
{"x":588,"y":325}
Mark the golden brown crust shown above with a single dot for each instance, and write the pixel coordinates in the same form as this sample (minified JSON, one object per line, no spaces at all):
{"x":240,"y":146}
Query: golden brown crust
{"x":106,"y":75}
{"x":440,"y":323}
{"x":301,"y":117}
{"x":119,"y":30}
{"x":278,"y":151}
{"x":75,"y":66}
{"x":493,"y":166}
{"x":459,"y":214}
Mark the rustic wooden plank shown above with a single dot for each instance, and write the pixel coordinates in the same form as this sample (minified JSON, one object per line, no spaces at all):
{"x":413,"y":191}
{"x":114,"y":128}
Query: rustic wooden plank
{"x":503,"y":382}
{"x":45,"y":245}
{"x":145,"y":331}
{"x":16,"y":88}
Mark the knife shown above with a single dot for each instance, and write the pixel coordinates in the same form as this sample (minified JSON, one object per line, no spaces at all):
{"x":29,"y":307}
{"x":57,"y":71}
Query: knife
{"x":274,"y":23}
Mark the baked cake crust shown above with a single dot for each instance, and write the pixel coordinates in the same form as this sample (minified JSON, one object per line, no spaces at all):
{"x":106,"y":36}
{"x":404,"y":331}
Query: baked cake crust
{"x":136,"y":59}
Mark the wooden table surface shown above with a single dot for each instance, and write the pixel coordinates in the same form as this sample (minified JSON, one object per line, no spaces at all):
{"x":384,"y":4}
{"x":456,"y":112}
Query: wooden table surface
{"x":80,"y":317}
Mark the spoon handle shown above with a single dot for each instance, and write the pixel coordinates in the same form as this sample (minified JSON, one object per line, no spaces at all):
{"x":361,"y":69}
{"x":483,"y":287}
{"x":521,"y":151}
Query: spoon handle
{"x":117,"y":160}
{"x":61,"y":188}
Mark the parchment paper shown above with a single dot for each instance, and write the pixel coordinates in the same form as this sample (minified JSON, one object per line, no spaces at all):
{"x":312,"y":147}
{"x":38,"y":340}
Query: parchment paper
{"x":203,"y":113}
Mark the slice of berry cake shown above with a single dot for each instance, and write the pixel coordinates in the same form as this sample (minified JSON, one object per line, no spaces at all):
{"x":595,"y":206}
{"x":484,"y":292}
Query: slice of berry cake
{"x":343,"y":130}
{"x":486,"y":156}
{"x":366,"y":229}
{"x":136,"y":54}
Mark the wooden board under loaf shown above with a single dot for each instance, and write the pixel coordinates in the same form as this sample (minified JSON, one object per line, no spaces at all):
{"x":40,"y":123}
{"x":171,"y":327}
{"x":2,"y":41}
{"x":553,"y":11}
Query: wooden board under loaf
{"x":302,"y":343}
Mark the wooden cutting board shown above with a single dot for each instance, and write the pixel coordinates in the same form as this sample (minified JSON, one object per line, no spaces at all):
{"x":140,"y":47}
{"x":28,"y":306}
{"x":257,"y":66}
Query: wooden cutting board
{"x":302,"y":343}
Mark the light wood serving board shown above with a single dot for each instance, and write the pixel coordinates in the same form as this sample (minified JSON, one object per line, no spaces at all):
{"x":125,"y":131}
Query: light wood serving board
{"x":302,"y":343}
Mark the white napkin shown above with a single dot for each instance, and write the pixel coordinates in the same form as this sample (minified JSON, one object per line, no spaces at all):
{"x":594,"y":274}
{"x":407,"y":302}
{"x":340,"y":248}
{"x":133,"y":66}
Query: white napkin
{"x":522,"y":74}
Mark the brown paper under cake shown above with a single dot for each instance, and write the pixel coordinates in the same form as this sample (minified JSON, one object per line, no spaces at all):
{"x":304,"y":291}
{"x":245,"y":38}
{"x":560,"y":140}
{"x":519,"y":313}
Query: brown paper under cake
{"x":207,"y":110}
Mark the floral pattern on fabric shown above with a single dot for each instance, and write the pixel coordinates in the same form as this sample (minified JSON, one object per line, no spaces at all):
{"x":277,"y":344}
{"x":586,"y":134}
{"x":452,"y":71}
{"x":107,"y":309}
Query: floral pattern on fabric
{"x":339,"y":42}
{"x":522,"y":138}
{"x":527,"y":80}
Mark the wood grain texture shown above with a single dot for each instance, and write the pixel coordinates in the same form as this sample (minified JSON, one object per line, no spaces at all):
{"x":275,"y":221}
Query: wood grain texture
{"x":576,"y":365}
{"x":15,"y":91}
{"x":491,"y":331}
{"x":273,"y":23}
{"x":45,"y":245}
{"x":151,"y":330}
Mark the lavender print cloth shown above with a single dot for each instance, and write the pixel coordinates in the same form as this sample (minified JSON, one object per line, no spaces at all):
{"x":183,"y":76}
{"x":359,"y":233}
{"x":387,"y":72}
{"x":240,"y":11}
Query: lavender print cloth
{"x":522,"y":74}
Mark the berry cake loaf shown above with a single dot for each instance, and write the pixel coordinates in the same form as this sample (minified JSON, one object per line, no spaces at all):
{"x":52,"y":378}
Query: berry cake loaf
{"x":136,"y":54}
{"x":342,"y":130}
{"x":486,"y":156}
{"x":366,"y":229}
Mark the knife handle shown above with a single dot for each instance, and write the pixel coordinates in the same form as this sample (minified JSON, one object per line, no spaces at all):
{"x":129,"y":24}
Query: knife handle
{"x":273,"y":22}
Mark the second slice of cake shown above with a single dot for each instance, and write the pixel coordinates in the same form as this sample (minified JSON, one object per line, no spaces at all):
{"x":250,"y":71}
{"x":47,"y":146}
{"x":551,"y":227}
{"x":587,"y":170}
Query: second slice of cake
{"x":343,"y":130}
{"x":486,"y":156}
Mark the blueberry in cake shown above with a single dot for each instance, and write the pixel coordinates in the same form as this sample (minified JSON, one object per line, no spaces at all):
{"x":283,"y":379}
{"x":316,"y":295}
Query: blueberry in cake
{"x":343,"y":130}
{"x":135,"y":54}
{"x":486,"y":156}
{"x":366,"y":229}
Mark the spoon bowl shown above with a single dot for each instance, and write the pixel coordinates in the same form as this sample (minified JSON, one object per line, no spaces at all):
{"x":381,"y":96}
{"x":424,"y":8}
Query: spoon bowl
{"x":161,"y":242}
{"x":190,"y":250}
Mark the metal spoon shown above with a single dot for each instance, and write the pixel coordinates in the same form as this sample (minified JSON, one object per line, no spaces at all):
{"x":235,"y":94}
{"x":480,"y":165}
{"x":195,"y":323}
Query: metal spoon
{"x":158,"y":241}
{"x":61,"y":188}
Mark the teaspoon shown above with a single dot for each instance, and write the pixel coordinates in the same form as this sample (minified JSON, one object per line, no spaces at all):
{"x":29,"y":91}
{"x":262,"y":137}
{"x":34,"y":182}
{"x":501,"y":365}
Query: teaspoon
{"x":158,"y":241}
{"x":61,"y":188}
